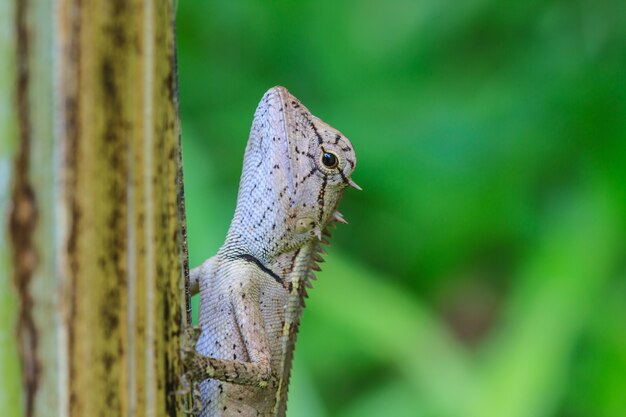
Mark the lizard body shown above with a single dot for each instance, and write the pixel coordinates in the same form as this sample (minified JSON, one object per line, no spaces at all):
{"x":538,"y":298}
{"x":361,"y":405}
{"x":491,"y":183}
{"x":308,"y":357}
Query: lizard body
{"x":252,"y":291}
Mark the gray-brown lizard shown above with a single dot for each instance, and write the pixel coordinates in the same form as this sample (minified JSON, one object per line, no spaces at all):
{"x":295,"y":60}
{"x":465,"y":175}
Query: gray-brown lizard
{"x":252,"y":292}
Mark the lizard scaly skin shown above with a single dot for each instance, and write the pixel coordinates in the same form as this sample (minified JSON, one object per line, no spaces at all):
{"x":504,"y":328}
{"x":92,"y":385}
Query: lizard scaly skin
{"x":252,"y":292}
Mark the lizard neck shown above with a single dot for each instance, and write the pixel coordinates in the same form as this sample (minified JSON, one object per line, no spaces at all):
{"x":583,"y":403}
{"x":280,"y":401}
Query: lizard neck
{"x":265,"y":220}
{"x":262,"y":235}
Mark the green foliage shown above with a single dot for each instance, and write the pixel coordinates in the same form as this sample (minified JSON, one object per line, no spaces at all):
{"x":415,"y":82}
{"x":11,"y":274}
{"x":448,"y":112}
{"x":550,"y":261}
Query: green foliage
{"x":482,"y":273}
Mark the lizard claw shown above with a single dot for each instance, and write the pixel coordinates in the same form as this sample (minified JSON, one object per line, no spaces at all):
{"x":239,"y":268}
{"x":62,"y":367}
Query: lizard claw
{"x":192,"y":334}
{"x":192,"y":405}
{"x":188,"y":343}
{"x":189,"y":389}
{"x":187,"y":355}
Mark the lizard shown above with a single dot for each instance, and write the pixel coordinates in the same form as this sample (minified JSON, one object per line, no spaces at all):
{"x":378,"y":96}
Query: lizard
{"x":252,"y":291}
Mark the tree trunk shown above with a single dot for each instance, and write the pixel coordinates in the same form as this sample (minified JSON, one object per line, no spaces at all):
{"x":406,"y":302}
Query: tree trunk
{"x":93,"y":249}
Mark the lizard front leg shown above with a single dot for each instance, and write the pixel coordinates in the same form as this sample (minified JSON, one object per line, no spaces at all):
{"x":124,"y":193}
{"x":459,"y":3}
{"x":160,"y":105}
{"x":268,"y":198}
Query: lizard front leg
{"x":205,"y":269}
{"x":244,"y":294}
{"x":237,"y":372}
{"x":189,"y":389}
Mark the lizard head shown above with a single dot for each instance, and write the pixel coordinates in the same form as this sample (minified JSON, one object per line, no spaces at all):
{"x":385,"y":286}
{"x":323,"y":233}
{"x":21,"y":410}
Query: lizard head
{"x":323,"y":161}
{"x":296,"y":168}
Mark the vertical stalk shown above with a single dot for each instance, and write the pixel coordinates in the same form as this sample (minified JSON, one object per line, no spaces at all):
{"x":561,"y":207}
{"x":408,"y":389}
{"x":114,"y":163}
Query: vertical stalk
{"x":92,"y":268}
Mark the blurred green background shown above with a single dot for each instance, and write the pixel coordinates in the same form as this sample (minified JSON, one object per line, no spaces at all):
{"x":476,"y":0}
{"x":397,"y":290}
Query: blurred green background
{"x":483,"y":270}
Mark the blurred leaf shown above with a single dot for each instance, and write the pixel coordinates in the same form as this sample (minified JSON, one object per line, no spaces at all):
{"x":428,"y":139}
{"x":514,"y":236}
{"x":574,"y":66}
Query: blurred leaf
{"x":371,"y":315}
{"x":393,"y":398}
{"x":304,"y":400}
{"x":528,"y":360}
{"x":597,"y":382}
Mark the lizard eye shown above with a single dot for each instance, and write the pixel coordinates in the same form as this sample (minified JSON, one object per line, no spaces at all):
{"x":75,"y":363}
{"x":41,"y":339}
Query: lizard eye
{"x":330,"y":160}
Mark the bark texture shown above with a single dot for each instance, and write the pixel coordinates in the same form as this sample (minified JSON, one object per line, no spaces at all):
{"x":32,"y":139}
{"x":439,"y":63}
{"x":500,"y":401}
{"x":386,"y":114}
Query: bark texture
{"x":93,"y":255}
